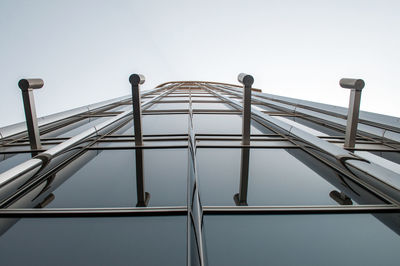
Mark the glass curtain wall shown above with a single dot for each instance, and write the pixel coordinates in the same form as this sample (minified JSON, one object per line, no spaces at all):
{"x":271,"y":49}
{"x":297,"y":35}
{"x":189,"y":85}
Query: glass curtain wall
{"x":300,"y":206}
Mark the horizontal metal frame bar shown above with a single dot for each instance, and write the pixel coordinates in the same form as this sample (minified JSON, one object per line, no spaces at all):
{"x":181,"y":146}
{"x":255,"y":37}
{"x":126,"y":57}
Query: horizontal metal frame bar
{"x":139,"y":147}
{"x":207,"y":210}
{"x":323,"y":209}
{"x":92,"y":212}
{"x":185,"y":146}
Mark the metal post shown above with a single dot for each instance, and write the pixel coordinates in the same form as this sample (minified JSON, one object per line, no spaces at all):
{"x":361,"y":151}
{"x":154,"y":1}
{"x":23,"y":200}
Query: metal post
{"x":27,"y":86}
{"x":356,"y":86}
{"x":135,"y":80}
{"x":241,"y":197}
{"x":247,"y":81}
{"x":142,"y":196}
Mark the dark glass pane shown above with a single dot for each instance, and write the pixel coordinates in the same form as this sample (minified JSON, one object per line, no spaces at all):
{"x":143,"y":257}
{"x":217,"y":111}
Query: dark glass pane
{"x":95,"y":241}
{"x":162,"y":124}
{"x":322,"y":128}
{"x":108,"y":179}
{"x":167,"y":99}
{"x":169,"y":106}
{"x":75,"y":130}
{"x":205,"y":99}
{"x":224,"y":124}
{"x":350,"y":239}
{"x":212,"y":106}
{"x":276,"y":177}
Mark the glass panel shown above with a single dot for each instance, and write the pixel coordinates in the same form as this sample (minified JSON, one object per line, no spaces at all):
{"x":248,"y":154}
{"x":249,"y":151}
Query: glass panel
{"x":75,"y":130}
{"x":120,"y":108}
{"x":166,"y":99}
{"x":224,"y":124}
{"x":316,"y":126}
{"x":267,"y":108}
{"x":162,"y":124}
{"x":108,"y":179}
{"x":350,"y":239}
{"x":205,"y":99}
{"x":390,"y":155}
{"x":169,"y":106}
{"x":382,"y":162}
{"x":276,"y":177}
{"x":8,"y":161}
{"x":94,"y":241}
{"x":212,"y":106}
{"x":202,"y":94}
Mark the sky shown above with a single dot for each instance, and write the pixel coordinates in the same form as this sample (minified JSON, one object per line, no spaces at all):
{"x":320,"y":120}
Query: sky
{"x":86,"y":50}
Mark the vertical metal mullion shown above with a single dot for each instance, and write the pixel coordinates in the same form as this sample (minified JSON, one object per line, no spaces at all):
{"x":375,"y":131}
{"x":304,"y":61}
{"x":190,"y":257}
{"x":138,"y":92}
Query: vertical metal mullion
{"x":197,"y":219}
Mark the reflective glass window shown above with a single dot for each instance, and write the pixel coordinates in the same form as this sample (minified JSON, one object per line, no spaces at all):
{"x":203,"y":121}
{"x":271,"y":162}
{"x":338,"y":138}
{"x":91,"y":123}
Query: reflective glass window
{"x":347,"y":239}
{"x":389,"y":155}
{"x":76,"y":128}
{"x":108,"y":179}
{"x":214,"y":99}
{"x":320,"y":127}
{"x":8,"y":161}
{"x":169,"y":106}
{"x":94,"y":241}
{"x":224,"y":124}
{"x":212,"y":106}
{"x":162,"y":124}
{"x":276,"y":177}
{"x":166,"y":99}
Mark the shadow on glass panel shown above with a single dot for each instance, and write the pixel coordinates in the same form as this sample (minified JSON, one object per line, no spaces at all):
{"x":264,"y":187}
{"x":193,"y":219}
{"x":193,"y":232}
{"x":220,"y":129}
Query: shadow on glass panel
{"x":142,"y":196}
{"x":241,"y":197}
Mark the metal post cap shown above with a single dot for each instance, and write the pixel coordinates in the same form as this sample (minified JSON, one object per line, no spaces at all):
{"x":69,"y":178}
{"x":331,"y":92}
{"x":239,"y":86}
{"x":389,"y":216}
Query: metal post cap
{"x":246,"y":79}
{"x":136,"y":79}
{"x":357,"y":84}
{"x":25,"y":84}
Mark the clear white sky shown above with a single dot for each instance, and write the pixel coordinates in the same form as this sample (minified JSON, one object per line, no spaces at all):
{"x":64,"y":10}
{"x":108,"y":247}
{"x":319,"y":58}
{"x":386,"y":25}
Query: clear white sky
{"x":85,"y":50}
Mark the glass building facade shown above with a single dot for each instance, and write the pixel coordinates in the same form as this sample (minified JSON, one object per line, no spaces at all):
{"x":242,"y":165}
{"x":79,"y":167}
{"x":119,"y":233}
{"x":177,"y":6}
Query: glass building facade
{"x":192,"y":192}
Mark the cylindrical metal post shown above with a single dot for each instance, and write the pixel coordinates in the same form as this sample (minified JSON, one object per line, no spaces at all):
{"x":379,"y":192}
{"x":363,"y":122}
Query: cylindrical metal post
{"x":142,"y":196}
{"x":136,"y":80}
{"x":27,"y":86}
{"x":356,"y":86}
{"x":247,"y":81}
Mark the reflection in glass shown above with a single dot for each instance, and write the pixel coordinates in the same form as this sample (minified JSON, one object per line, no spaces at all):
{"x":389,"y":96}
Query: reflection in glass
{"x":86,"y":124}
{"x":276,"y":177}
{"x":347,"y":239}
{"x":169,"y":106}
{"x":11,"y":160}
{"x":162,"y":124}
{"x":212,"y":106}
{"x":224,"y":124}
{"x":109,"y":180}
{"x":95,"y":241}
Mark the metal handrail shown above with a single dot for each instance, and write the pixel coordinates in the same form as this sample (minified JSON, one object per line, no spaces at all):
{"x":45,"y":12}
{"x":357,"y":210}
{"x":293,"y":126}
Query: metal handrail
{"x":379,"y":174}
{"x":333,"y":114}
{"x":28,"y":169}
{"x":19,"y":128}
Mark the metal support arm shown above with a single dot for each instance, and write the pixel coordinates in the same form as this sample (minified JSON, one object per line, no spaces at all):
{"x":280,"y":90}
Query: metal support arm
{"x":142,"y":196}
{"x":247,"y":81}
{"x":27,"y":86}
{"x":356,"y":86}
